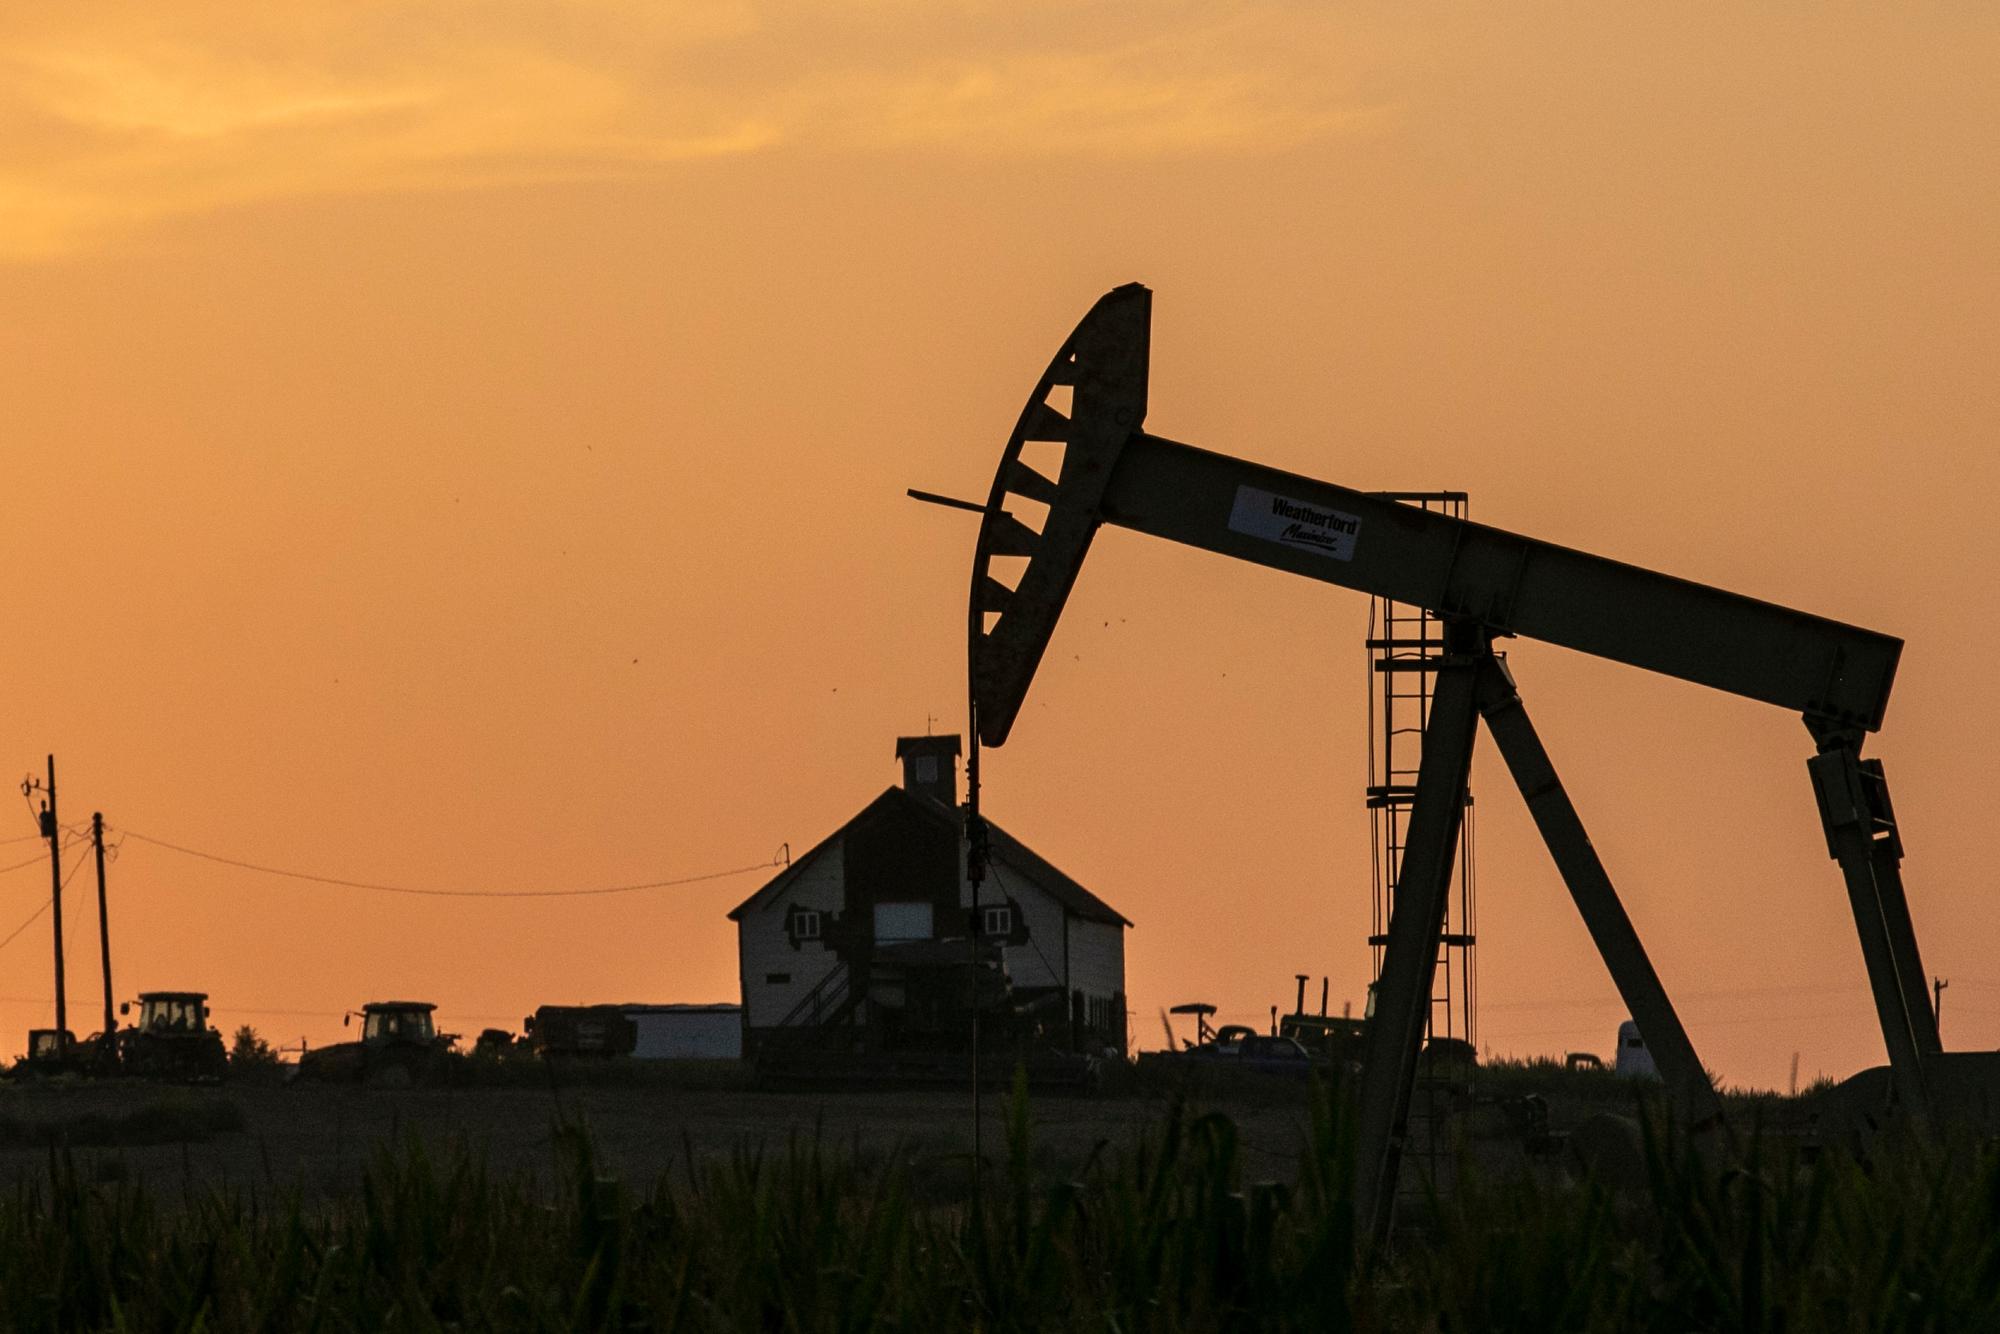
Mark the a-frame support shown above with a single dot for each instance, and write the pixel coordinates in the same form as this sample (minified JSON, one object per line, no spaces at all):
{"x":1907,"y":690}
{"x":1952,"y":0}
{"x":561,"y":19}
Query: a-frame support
{"x":1473,"y":682}
{"x":1861,"y":836}
{"x":1395,"y":1031}
{"x":1596,"y":901}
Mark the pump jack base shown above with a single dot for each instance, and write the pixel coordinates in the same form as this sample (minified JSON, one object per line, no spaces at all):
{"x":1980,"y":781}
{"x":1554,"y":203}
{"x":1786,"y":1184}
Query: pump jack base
{"x":1964,"y":1092}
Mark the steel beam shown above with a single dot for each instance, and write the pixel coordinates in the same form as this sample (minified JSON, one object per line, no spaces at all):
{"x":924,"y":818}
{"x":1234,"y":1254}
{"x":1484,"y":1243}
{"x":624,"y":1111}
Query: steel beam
{"x":1886,"y":853}
{"x":1395,"y":1032}
{"x":1511,"y":584}
{"x":1840,"y":784}
{"x":1590,"y":886}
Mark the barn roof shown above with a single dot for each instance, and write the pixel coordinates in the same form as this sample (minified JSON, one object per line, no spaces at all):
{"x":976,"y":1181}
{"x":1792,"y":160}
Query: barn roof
{"x":1012,"y":852}
{"x":1008,"y":853}
{"x":681,"y":1007}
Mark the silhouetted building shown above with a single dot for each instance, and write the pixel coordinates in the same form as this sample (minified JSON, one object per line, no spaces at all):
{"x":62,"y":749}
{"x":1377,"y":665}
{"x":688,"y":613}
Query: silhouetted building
{"x":867,"y":937}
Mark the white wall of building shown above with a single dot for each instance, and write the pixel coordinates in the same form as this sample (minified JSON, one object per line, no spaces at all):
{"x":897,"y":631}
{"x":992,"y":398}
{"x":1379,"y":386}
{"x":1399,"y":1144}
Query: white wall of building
{"x":764,"y":950}
{"x":1039,"y":962}
{"x":1096,"y":957}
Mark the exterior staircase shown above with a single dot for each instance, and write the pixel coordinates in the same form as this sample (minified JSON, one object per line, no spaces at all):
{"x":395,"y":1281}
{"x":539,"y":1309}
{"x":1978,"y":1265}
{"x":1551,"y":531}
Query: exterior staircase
{"x":831,"y":1004}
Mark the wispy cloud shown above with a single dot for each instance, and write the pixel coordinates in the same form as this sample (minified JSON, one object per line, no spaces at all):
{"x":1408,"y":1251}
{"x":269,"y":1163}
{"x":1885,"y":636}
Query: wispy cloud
{"x":110,"y":124}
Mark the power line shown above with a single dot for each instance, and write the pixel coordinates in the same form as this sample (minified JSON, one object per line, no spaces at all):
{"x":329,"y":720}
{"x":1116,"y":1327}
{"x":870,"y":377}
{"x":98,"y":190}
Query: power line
{"x":1613,"y":1002}
{"x":1724,"y":1021}
{"x":32,"y":918}
{"x":447,"y":893}
{"x":36,"y":915}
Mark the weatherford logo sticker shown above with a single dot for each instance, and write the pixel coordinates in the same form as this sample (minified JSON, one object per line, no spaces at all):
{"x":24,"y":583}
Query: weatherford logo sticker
{"x":1294,"y":523}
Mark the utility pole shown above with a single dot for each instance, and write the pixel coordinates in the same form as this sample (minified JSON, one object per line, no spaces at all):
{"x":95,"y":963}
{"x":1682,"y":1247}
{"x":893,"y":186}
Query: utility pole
{"x":52,"y":831}
{"x":1938,"y":984}
{"x":103,"y":924}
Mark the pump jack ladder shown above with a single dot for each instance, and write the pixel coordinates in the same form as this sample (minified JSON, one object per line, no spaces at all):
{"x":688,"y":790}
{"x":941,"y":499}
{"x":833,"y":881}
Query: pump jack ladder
{"x":1483,"y":583}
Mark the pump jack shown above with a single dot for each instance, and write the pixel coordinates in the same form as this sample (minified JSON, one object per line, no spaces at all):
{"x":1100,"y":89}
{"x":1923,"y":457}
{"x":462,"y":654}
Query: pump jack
{"x":1484,"y":583}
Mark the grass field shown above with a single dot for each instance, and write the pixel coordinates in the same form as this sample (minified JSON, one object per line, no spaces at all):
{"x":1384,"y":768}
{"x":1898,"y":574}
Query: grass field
{"x":707,"y":1208}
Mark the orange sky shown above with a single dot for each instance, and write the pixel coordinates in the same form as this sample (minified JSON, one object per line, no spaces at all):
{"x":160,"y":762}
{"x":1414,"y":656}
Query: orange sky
{"x":464,"y":446}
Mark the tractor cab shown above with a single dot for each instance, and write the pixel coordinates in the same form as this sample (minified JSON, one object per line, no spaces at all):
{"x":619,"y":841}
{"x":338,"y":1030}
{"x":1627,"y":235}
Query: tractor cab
{"x":49,"y":1055}
{"x":45,"y":1049}
{"x":172,"y":1011}
{"x":397,"y":1021}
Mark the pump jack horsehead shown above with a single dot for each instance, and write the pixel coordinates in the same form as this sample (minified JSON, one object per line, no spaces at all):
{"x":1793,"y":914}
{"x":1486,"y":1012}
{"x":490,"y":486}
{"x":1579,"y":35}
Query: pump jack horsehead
{"x":1482,"y":582}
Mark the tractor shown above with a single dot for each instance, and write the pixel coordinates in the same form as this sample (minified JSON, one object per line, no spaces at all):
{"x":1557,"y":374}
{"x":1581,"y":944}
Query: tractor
{"x":399,"y":1045}
{"x":47,"y":1056}
{"x":92,"y":1056}
{"x":172,"y":1040}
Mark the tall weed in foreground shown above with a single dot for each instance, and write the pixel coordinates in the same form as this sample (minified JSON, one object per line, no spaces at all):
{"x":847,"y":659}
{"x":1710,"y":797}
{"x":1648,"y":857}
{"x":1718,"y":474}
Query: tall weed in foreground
{"x":1165,"y":1236}
{"x":1759,"y":1238}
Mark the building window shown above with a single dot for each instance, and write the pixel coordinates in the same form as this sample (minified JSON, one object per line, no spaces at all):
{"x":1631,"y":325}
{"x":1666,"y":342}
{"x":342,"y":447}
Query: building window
{"x":777,"y":979}
{"x":902,"y":921}
{"x":997,"y":921}
{"x":805,"y":924}
{"x":926,"y":768}
{"x":1100,"y":1015}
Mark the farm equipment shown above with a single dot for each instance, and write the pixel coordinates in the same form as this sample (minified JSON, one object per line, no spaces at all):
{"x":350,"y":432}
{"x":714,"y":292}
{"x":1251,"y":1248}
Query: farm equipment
{"x":46,"y":1056}
{"x":399,"y":1044}
{"x":497,"y":1044}
{"x":589,"y":1031}
{"x":1231,"y":1054}
{"x":172,"y":1039}
{"x":1091,"y":463}
{"x":1335,"y":1037}
{"x":1201,"y":1010}
{"x":1331,"y":1037}
{"x":1242,"y":1051}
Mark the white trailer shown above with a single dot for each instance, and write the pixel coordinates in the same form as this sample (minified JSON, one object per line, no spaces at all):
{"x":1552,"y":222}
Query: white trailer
{"x":687,"y":1032}
{"x":1634,"y":1061}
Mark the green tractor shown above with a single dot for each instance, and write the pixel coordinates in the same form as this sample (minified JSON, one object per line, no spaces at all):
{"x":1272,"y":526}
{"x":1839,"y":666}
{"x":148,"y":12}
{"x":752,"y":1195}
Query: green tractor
{"x":172,"y":1040}
{"x":399,"y":1045}
{"x":47,"y":1057}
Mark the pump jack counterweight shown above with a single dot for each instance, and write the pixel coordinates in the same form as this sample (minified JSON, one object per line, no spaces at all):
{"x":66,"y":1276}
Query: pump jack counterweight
{"x":1089,"y":409}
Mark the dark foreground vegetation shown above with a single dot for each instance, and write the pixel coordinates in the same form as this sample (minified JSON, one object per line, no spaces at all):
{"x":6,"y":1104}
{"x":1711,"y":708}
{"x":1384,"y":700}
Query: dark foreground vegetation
{"x":1173,"y":1233}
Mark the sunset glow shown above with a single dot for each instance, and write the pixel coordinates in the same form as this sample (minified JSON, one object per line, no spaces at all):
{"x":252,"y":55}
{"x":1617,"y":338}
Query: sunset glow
{"x":464,"y":447}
